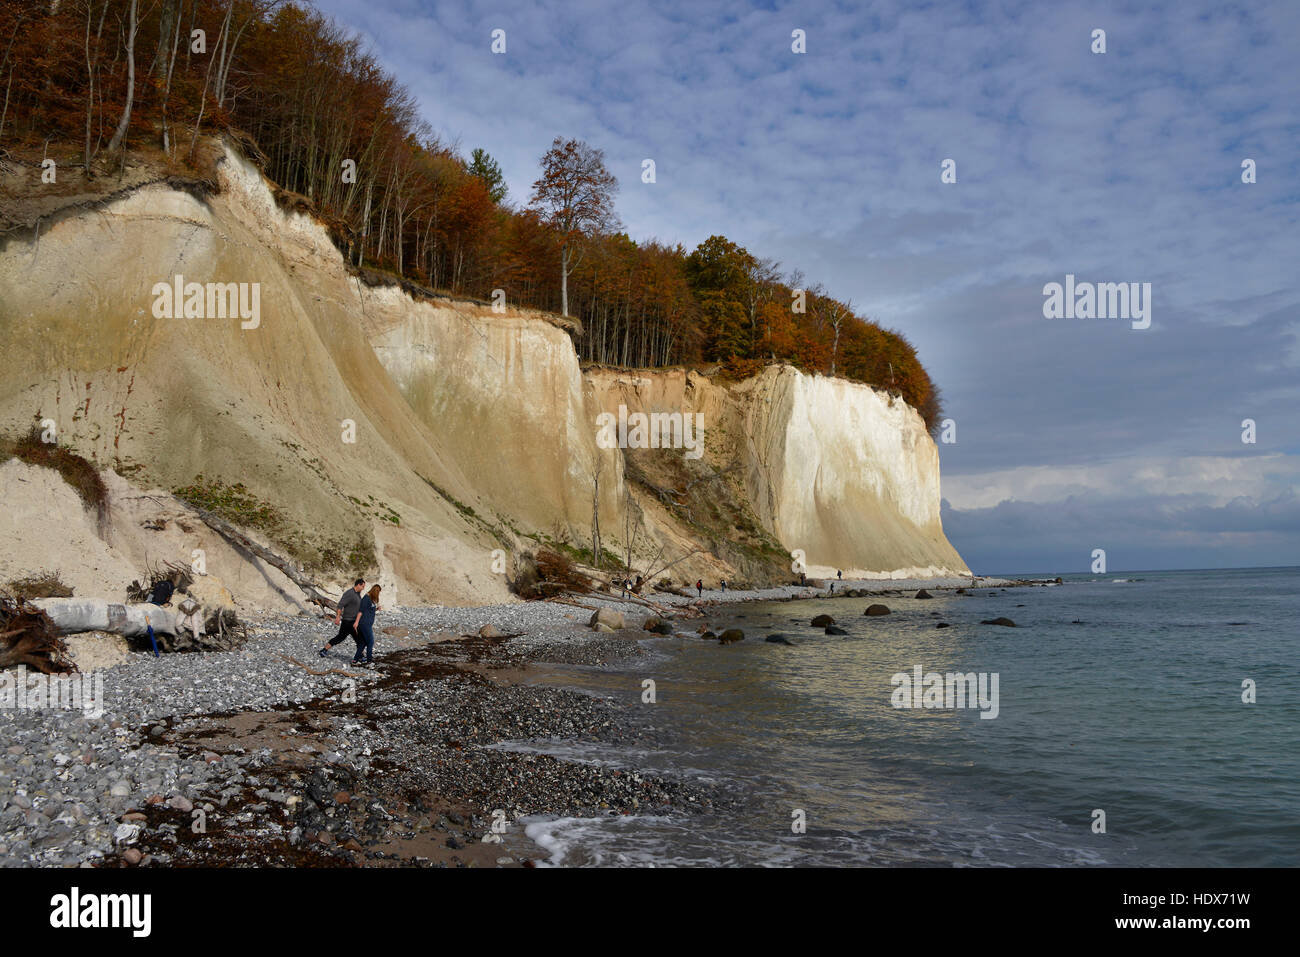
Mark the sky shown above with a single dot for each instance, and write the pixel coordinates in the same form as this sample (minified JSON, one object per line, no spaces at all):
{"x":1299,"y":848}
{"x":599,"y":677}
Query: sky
{"x":1124,"y":166}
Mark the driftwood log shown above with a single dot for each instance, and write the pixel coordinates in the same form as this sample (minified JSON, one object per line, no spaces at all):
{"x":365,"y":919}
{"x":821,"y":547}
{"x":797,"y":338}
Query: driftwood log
{"x":172,"y":630}
{"x":73,"y":615}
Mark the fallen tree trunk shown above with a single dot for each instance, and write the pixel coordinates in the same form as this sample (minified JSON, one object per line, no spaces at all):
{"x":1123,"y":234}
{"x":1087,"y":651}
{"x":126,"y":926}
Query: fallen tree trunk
{"x":73,"y":615}
{"x":172,"y":631}
{"x":242,"y":542}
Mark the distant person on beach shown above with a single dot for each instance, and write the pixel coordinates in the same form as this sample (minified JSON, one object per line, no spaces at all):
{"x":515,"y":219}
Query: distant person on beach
{"x":724,"y":586}
{"x":627,"y":583}
{"x":803,"y":579}
{"x":347,"y":615}
{"x":840,"y":575}
{"x":832,"y":588}
{"x":366,"y":627}
{"x":699,"y":588}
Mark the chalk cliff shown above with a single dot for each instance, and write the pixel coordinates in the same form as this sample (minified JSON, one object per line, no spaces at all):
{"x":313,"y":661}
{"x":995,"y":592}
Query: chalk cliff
{"x":421,"y":438}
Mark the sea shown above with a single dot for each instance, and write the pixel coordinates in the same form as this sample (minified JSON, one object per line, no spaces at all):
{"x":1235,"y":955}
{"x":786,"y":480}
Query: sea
{"x":1146,"y":719}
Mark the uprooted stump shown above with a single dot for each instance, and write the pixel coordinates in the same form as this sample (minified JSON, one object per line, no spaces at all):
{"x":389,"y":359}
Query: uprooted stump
{"x":28,"y":637}
{"x":548,"y":575}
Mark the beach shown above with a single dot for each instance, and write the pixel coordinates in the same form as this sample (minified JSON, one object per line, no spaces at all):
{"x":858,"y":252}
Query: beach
{"x":270,"y":755}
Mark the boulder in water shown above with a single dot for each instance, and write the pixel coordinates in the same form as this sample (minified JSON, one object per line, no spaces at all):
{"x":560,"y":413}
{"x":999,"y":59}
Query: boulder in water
{"x":874,"y":610}
{"x":833,"y":630}
{"x":922,"y":594}
{"x":731,"y":635}
{"x":823,"y":621}
{"x":1004,"y":622}
{"x":779,"y":640}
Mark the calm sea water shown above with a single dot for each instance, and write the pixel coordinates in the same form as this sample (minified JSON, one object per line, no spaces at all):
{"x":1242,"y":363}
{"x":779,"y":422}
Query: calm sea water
{"x":1120,"y":692}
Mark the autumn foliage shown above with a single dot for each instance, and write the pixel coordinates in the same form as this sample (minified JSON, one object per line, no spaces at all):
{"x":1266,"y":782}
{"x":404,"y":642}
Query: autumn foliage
{"x":332,"y":128}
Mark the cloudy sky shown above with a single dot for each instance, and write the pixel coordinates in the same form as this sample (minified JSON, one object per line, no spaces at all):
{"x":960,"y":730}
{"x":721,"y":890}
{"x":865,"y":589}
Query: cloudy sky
{"x":1122,"y":166}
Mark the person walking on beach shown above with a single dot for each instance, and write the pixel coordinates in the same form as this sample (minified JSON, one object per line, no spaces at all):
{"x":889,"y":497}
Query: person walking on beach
{"x":699,"y":588}
{"x":366,"y":628}
{"x":347,"y":615}
{"x":724,"y":586}
{"x":840,"y":574}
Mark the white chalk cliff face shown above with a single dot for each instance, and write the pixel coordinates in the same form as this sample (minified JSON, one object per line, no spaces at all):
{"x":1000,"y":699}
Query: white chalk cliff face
{"x":847,"y":474}
{"x":477,"y":430}
{"x":835,"y":469}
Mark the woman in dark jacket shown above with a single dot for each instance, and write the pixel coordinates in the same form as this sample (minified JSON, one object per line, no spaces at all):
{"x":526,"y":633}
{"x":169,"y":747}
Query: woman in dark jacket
{"x":365,"y":627}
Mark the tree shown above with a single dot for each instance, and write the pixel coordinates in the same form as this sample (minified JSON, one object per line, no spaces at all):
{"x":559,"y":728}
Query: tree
{"x":576,"y":198}
{"x":120,"y":133}
{"x":488,"y":170}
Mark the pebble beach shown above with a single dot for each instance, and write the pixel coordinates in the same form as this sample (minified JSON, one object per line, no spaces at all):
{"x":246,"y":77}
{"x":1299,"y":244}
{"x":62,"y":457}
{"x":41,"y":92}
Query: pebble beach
{"x":271,"y":755}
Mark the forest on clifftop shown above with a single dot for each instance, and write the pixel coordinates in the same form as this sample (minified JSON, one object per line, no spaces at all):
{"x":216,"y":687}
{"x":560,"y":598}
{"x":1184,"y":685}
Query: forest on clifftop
{"x":86,"y":82}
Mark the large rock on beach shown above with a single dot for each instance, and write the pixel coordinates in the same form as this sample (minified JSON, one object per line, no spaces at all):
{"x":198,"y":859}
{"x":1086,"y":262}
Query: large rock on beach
{"x":613,"y":620}
{"x":874,"y":610}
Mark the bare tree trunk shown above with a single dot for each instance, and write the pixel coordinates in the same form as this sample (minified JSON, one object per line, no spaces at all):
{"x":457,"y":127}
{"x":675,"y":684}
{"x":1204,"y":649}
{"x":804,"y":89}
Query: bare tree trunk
{"x":595,"y":514}
{"x":120,"y":134}
{"x":167,"y":87}
{"x":90,"y":95}
{"x":5,"y":112}
{"x":564,"y":280}
{"x":203,"y":101}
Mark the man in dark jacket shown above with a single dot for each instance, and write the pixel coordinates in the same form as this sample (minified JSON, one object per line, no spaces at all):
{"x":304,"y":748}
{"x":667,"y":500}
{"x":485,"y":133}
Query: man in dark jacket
{"x":347,"y":615}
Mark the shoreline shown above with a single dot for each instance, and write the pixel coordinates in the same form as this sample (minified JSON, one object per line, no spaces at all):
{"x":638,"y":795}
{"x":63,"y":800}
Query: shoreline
{"x":271,"y":756}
